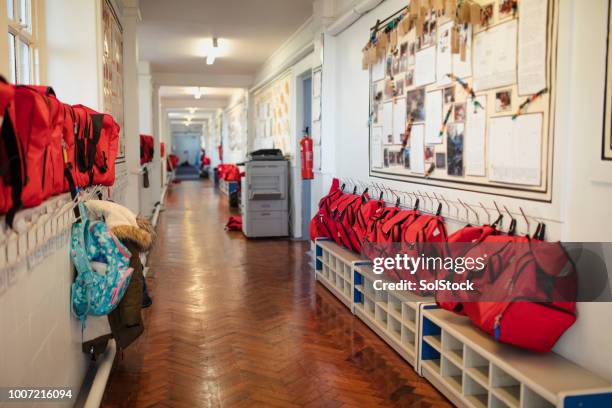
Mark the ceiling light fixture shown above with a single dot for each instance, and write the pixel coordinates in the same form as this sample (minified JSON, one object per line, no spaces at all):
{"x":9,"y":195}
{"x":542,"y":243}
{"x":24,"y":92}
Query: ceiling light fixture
{"x":198,"y":93}
{"x":192,"y":111}
{"x":214,"y":50}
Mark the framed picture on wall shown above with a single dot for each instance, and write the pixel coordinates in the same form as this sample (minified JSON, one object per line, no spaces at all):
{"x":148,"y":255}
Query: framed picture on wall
{"x":112,"y":61}
{"x":606,"y":148}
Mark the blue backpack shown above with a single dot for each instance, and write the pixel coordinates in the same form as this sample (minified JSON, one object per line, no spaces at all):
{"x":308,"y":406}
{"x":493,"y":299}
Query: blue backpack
{"x":103,"y":268}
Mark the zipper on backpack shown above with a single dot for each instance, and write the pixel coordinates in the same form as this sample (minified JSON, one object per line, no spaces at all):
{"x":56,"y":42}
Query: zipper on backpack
{"x":44,"y":167}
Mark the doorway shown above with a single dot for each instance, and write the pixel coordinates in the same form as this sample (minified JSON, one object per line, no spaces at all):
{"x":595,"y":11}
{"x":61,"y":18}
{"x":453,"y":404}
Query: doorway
{"x":306,"y":127}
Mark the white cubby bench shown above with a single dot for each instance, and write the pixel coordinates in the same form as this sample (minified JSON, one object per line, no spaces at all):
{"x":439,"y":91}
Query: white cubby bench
{"x":473,"y":370}
{"x":392,"y":315}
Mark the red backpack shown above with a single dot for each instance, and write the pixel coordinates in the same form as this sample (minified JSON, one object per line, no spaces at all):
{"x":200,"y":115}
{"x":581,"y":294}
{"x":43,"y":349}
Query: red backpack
{"x":369,"y":248}
{"x":147,"y":149}
{"x":234,"y":223}
{"x":103,"y":146}
{"x":77,"y":142}
{"x":426,"y":229}
{"x":12,"y":161}
{"x":360,"y":227}
{"x":541,"y":282}
{"x":318,"y":228}
{"x":33,"y":128}
{"x":56,"y":118}
{"x":339,"y":210}
{"x":346,"y":221}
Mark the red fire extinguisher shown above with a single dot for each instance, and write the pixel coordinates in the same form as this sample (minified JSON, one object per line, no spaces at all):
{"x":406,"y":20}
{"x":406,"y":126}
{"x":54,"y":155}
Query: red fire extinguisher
{"x":306,"y":151}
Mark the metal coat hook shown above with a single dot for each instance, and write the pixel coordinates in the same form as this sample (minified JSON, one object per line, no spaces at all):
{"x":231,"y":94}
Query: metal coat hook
{"x":467,"y":212}
{"x":500,"y":219}
{"x":526,"y":220}
{"x":487,"y":212}
{"x":475,"y":213}
{"x":512,"y":227}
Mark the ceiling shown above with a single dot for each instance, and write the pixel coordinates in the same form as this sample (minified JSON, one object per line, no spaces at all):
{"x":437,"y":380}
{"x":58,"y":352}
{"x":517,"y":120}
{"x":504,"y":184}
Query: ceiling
{"x":174,"y":35}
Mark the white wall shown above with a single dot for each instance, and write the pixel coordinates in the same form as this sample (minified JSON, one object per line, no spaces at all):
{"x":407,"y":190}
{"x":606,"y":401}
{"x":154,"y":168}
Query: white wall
{"x":580,"y":197}
{"x":40,"y":343}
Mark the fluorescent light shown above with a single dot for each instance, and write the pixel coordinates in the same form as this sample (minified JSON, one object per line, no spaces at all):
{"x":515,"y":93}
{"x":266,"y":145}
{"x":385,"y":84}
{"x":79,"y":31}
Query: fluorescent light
{"x":198,"y":93}
{"x":213,"y":52}
{"x":192,"y":111}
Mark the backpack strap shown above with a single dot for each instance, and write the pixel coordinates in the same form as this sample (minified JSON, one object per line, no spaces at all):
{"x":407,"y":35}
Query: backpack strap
{"x":96,"y":126}
{"x":16,"y":165}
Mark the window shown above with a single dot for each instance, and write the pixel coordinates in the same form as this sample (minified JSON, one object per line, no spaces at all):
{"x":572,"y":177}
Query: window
{"x":22,"y":41}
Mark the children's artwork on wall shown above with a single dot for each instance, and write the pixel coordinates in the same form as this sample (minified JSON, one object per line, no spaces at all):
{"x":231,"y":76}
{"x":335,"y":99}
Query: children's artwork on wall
{"x":273,"y":116}
{"x":112,"y":61}
{"x":491,"y":51}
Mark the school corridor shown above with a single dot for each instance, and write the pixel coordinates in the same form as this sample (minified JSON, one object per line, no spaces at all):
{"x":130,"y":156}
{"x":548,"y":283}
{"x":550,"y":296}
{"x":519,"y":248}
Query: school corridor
{"x":239,"y":322}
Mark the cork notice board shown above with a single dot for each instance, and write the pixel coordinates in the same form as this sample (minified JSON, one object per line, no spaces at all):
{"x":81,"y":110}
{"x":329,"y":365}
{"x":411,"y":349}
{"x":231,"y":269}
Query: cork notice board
{"x":425,"y":127}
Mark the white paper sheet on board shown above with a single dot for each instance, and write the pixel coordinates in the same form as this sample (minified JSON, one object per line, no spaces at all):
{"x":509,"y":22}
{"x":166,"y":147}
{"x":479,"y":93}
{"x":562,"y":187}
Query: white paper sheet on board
{"x":378,"y":70}
{"x":376,"y":148}
{"x":417,"y":149}
{"x":316,"y":84}
{"x":444,"y":59}
{"x":399,"y":120}
{"x":463,"y":69}
{"x":532,"y":46}
{"x":495,"y":56}
{"x":515,"y":149}
{"x":387,"y":123}
{"x":433,"y":109}
{"x":316,"y":109}
{"x":425,"y":67}
{"x":316,"y":157}
{"x":316,"y":133}
{"x":476,"y":129}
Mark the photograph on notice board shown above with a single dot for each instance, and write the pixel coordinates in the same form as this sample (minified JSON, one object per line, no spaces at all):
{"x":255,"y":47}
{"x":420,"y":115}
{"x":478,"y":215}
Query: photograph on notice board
{"x":399,"y":87}
{"x":506,"y":8}
{"x":454,"y":149}
{"x":409,"y":79}
{"x":415,"y":103}
{"x":411,"y":53}
{"x":406,"y":158}
{"x":459,"y":112}
{"x":449,"y":95}
{"x":389,"y":89}
{"x":440,"y":160}
{"x":503,"y":101}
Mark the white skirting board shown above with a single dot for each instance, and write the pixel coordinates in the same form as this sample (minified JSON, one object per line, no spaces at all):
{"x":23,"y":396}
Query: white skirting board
{"x":92,"y":390}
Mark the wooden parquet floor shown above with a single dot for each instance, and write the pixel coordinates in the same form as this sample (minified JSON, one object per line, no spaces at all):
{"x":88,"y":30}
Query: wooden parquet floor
{"x":239,"y":323}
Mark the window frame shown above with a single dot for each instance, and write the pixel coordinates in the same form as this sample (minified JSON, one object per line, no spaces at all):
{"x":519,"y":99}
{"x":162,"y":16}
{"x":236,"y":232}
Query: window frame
{"x":31,"y":36}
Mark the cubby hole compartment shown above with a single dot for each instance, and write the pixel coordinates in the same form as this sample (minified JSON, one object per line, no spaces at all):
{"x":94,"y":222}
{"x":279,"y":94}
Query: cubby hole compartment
{"x":395,"y":306}
{"x":452,"y":375}
{"x":382,"y":299}
{"x":339,"y":281}
{"x":505,"y":387}
{"x":476,"y":394}
{"x":381,"y":315}
{"x":476,"y":366}
{"x":409,"y":316}
{"x":332,"y":261}
{"x":358,"y":278}
{"x":325,"y":257}
{"x":347,"y":289}
{"x":533,"y":400}
{"x":369,"y":287}
{"x":395,"y":328}
{"x":432,"y":335}
{"x":347,"y":272}
{"x":452,"y":348}
{"x":497,"y":403}
{"x":408,"y":337}
{"x":325,"y":271}
{"x":370,"y":307}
